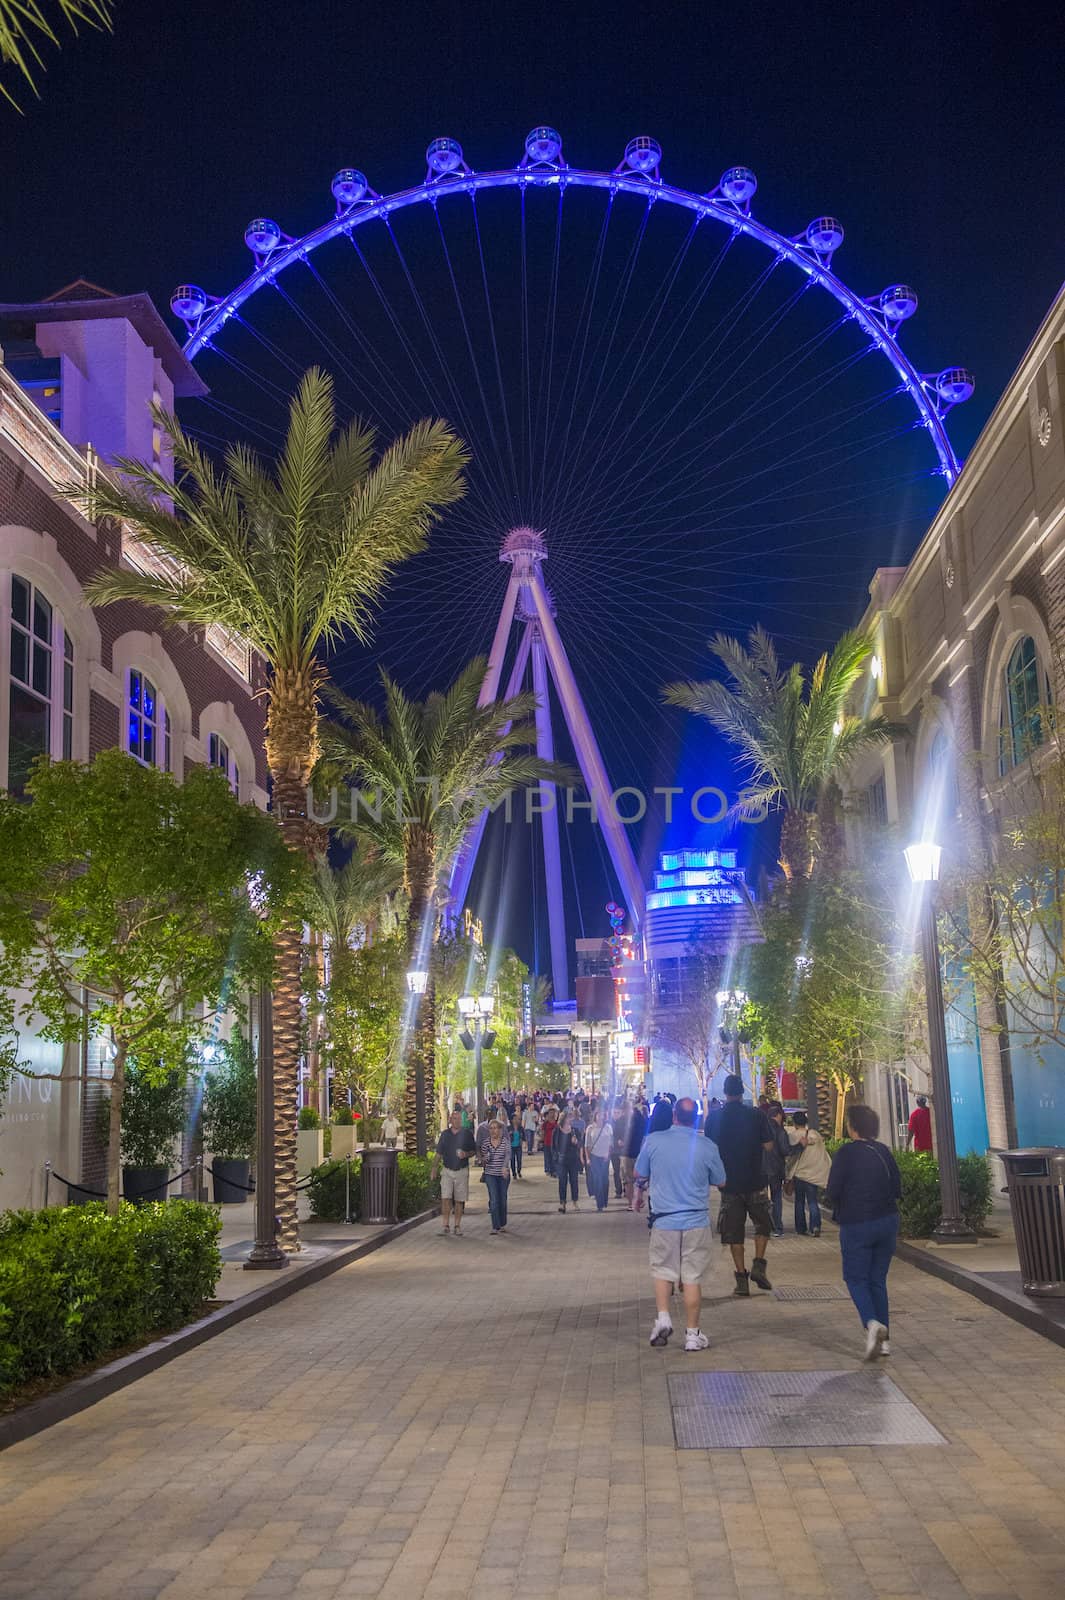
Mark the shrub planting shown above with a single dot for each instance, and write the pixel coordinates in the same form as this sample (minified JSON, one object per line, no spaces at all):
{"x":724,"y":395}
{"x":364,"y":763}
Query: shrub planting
{"x":327,"y":1186}
{"x":77,"y":1284}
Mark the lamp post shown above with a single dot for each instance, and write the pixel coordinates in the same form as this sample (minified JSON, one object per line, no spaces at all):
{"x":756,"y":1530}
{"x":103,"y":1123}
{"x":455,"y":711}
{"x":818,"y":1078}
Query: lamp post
{"x":476,"y":1013}
{"x":923,"y":861}
{"x":730,"y":1003}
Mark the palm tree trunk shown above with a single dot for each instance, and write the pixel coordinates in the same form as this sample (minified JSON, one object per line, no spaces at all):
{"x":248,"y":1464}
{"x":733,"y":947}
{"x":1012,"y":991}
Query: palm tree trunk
{"x":796,"y":845}
{"x":419,"y":872}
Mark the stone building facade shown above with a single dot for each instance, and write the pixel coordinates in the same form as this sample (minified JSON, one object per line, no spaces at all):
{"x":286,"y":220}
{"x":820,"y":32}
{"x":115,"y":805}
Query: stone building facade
{"x":77,"y":377}
{"x":968,"y":642}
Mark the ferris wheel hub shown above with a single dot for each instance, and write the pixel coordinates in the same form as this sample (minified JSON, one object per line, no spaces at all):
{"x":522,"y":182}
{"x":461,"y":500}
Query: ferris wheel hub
{"x":523,"y":546}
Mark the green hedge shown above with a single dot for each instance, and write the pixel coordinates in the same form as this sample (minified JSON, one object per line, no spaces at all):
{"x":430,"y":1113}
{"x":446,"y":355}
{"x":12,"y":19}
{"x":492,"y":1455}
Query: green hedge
{"x":919,"y":1209}
{"x":326,"y":1188}
{"x":76,"y":1284}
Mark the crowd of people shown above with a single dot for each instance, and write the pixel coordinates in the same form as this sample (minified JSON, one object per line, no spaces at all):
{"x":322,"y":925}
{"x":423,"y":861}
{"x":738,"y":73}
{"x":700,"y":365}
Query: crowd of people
{"x":665,"y":1157}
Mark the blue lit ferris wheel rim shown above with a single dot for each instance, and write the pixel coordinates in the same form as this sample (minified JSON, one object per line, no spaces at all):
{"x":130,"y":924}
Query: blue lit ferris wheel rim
{"x":933,"y":395}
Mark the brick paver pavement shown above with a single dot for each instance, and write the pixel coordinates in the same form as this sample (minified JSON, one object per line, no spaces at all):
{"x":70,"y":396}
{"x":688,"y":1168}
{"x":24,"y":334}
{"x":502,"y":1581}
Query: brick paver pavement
{"x":484,"y":1417}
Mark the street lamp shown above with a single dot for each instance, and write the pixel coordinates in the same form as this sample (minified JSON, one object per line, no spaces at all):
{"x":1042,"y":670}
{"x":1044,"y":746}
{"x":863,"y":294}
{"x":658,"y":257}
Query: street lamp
{"x":476,"y":1012}
{"x":417,"y":980}
{"x":730,"y":1003}
{"x":922,"y":861}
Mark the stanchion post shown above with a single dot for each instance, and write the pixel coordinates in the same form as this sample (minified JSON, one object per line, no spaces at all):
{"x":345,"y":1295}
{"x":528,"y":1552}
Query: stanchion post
{"x":347,"y":1187}
{"x":47,"y":1182}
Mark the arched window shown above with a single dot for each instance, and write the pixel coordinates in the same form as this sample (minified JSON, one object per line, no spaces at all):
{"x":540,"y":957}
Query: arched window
{"x":147,"y":722}
{"x":219,"y":755}
{"x":41,"y":692}
{"x":1025,"y":689}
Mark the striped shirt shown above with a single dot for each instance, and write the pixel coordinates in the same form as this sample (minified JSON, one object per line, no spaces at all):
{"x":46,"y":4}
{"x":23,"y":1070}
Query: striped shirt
{"x":495,"y":1158}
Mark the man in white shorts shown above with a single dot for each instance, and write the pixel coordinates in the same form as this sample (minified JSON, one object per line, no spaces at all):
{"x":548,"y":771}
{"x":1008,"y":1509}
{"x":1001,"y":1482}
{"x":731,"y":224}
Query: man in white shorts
{"x":680,"y":1166}
{"x":454,"y":1148}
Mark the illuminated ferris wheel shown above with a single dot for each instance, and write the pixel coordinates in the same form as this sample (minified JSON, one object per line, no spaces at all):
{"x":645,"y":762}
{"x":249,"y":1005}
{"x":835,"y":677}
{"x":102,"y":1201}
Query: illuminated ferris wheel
{"x":693,"y":406}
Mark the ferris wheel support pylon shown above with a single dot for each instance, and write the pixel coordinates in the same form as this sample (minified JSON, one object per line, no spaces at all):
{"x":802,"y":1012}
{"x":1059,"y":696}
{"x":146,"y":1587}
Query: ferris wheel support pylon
{"x":545,"y":749}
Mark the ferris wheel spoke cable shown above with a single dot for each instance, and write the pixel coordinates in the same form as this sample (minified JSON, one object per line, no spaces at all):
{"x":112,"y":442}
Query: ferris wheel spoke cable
{"x":547,"y":356}
{"x":405,"y":403}
{"x":504,"y":409}
{"x":362,"y":389}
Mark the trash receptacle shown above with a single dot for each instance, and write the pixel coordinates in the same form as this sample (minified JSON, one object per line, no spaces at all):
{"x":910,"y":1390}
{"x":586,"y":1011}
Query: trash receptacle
{"x":379,"y":1198}
{"x":1036,"y":1183}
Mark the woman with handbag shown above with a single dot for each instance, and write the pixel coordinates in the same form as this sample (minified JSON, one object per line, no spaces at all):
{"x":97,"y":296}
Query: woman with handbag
{"x":569,"y":1153}
{"x":865,"y":1187}
{"x":493,"y":1152}
{"x":808,"y":1169}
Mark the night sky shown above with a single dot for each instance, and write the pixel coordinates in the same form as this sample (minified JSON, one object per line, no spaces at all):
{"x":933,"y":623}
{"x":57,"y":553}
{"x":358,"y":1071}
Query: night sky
{"x":935,"y":132}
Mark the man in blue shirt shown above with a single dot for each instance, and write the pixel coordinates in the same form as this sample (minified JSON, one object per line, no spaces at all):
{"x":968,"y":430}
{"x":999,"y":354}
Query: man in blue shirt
{"x":680,"y":1167}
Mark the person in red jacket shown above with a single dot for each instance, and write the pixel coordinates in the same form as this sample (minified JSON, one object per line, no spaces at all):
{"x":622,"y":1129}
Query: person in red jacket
{"x":548,"y":1128}
{"x":919,"y":1127}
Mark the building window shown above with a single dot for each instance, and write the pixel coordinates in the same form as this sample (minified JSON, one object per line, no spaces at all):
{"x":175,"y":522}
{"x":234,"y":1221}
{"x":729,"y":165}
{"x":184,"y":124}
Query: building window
{"x":1025,"y":689}
{"x":146,"y":717}
{"x":41,"y":702}
{"x":219,"y":755}
{"x":876,"y":802}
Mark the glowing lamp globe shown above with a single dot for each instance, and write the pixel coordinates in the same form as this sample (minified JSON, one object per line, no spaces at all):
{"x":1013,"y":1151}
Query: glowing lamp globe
{"x":467,"y":1005}
{"x":417,"y":980}
{"x":922,"y":861}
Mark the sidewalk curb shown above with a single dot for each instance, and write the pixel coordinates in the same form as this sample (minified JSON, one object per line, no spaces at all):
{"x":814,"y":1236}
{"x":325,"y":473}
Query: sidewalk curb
{"x":81,"y":1393}
{"x":1015,"y":1306}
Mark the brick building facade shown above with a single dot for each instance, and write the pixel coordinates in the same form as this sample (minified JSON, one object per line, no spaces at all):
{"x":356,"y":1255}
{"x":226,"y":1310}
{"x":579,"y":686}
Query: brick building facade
{"x":77,"y":378}
{"x":968,"y":640}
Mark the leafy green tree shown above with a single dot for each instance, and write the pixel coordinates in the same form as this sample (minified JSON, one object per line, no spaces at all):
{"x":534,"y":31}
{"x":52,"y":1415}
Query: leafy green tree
{"x":423,"y":773}
{"x":459,"y":967}
{"x":364,"y":996}
{"x":122,"y":886}
{"x":292,"y":557}
{"x":25,"y":25}
{"x":229,"y":1101}
{"x":793,"y":733}
{"x":830,"y":995}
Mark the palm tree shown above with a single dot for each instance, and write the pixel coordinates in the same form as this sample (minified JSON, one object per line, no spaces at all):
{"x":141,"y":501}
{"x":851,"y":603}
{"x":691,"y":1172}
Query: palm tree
{"x":291,"y":557}
{"x":24,"y":24}
{"x":794,"y":734}
{"x":345,"y":904}
{"x":423,"y":772}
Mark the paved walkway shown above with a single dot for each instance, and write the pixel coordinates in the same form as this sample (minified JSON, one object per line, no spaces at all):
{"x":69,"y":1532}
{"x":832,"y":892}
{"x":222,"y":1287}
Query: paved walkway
{"x":483,"y":1417}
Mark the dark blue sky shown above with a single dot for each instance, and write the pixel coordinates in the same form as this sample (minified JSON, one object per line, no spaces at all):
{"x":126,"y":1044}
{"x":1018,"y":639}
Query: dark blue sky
{"x":935,"y":132}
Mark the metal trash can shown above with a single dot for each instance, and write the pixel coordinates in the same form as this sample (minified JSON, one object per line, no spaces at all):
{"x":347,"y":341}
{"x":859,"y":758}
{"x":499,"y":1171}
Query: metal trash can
{"x":379,"y":1197}
{"x":1036,"y":1184}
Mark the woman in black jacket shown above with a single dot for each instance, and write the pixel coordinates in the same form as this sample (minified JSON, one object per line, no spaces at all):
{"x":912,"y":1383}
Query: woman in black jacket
{"x":864,"y":1187}
{"x":569,"y":1157}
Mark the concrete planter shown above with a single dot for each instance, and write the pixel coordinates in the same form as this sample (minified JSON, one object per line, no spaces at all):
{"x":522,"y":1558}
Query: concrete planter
{"x":345,"y":1142}
{"x":310,"y":1150}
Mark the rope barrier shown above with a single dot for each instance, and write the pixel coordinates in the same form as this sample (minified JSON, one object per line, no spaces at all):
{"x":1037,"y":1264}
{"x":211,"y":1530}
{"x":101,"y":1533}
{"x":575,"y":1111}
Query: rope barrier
{"x":249,"y":1188}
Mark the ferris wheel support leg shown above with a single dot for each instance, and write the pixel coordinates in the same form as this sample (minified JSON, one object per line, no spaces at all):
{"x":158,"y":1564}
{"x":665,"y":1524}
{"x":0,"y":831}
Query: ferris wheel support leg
{"x":545,"y":749}
{"x":490,"y":686}
{"x":462,"y":869}
{"x":588,"y":755}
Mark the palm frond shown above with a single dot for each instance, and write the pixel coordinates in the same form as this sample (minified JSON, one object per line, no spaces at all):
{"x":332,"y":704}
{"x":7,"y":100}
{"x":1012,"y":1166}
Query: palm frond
{"x":24,"y":22}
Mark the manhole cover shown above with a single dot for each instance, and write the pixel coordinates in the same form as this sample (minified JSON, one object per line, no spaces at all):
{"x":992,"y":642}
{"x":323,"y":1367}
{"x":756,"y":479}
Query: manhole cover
{"x":812,"y":1291}
{"x":741,"y":1410}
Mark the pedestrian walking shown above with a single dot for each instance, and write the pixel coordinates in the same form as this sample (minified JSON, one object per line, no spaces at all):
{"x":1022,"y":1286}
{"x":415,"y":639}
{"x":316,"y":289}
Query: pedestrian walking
{"x":919,"y":1127}
{"x":390,"y":1130}
{"x":517,"y":1146}
{"x":493,"y":1151}
{"x":637,"y":1132}
{"x":742,"y":1134}
{"x":569,"y":1158}
{"x":776,"y":1161}
{"x":454,"y":1148}
{"x":864,"y":1187}
{"x":620,"y":1120}
{"x":530,"y":1121}
{"x":599,"y":1142}
{"x":680,"y":1165}
{"x":548,"y":1128}
{"x":808,"y":1170}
